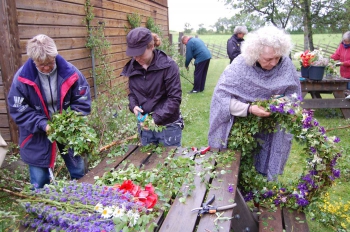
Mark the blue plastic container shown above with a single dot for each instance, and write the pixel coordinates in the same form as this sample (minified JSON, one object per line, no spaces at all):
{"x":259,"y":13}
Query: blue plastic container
{"x":316,"y":73}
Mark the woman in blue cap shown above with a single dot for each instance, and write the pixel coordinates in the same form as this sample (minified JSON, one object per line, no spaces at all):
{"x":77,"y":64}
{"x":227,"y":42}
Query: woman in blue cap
{"x":154,"y":88}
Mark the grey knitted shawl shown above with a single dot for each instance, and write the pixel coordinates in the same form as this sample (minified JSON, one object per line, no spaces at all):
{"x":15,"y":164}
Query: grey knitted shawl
{"x":247,"y":84}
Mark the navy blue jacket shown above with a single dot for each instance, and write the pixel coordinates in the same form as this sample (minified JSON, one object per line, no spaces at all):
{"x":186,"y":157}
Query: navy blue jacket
{"x":157,"y":89}
{"x":196,"y":49}
{"x":28,"y":107}
{"x":234,"y":47}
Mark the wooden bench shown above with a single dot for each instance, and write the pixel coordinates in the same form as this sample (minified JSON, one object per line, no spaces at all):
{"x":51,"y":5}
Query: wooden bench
{"x":335,"y":86}
{"x":282,"y":220}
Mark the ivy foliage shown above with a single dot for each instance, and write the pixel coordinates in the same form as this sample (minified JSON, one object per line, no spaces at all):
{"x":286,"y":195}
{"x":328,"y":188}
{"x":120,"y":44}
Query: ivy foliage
{"x":321,"y":154}
{"x":71,"y":129}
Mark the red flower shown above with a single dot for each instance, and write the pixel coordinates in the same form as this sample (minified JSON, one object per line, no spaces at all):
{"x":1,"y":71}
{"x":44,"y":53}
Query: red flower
{"x":147,"y":197}
{"x":127,"y":186}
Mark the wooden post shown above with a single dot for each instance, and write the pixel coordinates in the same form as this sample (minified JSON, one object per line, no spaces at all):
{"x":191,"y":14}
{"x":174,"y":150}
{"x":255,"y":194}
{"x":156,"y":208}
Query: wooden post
{"x":10,"y":53}
{"x":181,"y":45}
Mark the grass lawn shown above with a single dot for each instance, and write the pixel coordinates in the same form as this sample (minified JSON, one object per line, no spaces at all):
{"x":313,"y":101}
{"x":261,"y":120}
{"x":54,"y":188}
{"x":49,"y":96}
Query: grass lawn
{"x":195,"y":108}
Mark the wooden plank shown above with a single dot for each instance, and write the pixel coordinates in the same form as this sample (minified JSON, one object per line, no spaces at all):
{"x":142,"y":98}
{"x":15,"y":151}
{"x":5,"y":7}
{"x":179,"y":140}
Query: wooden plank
{"x":270,"y":221}
{"x":51,"y":6}
{"x":294,"y":221}
{"x":48,"y":18}
{"x":4,"y":120}
{"x":155,"y":159}
{"x":219,"y":188}
{"x":10,"y":54}
{"x":3,"y":106}
{"x":5,"y":133}
{"x":29,"y":31}
{"x":2,"y":93}
{"x":325,"y":103}
{"x":180,"y":211}
{"x":105,"y":165}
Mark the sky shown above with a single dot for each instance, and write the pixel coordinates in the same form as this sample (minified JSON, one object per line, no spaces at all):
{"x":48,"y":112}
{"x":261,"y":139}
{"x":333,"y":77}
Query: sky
{"x":195,"y":12}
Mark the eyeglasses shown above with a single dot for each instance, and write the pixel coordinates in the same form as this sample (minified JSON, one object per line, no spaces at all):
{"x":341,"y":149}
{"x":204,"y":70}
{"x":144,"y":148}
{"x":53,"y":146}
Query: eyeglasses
{"x":47,"y":64}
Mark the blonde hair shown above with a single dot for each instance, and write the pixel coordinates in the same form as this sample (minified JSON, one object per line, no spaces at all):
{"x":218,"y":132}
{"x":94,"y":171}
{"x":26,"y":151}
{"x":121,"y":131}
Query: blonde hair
{"x":41,"y":48}
{"x":268,"y":36}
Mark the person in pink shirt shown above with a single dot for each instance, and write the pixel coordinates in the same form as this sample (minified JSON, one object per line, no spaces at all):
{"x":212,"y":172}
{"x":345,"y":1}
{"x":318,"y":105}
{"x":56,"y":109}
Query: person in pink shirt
{"x":343,"y":55}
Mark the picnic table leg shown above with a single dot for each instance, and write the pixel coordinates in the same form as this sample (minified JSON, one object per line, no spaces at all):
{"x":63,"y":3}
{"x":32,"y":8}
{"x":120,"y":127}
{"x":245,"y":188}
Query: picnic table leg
{"x":243,"y":219}
{"x":340,"y":94}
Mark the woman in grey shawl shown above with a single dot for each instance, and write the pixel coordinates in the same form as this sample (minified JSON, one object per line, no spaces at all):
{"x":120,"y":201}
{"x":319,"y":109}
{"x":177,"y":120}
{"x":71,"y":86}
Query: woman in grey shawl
{"x":260,"y":72}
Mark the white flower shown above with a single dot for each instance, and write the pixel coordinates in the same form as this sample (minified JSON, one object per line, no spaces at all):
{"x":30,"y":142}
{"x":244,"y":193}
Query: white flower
{"x":133,"y":217}
{"x":107,"y":212}
{"x":316,"y":159}
{"x":118,"y":212}
{"x":98,"y":208}
{"x":294,"y":95}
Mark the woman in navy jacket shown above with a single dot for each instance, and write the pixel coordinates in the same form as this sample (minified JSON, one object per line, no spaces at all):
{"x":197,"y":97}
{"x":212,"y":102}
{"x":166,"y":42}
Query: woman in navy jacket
{"x":46,"y":83}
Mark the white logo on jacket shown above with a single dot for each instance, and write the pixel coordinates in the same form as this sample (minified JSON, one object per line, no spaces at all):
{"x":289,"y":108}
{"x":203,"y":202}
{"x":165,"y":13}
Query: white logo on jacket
{"x":18,"y":101}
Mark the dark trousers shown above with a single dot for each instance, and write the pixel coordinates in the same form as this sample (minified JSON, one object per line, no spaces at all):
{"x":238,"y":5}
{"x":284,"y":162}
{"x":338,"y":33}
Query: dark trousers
{"x":200,"y":75}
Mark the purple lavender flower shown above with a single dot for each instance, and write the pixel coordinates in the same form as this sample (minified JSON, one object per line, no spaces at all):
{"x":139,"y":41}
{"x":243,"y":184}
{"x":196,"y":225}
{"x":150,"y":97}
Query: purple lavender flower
{"x":302,"y":202}
{"x":322,"y":130}
{"x":336,"y":173}
{"x":273,"y":108}
{"x":337,"y":140}
{"x":291,"y":111}
{"x":313,"y":150}
{"x":230,"y":188}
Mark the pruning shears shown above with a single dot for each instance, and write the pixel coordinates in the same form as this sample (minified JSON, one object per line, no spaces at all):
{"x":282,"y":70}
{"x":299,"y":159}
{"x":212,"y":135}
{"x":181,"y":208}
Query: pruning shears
{"x":202,"y":152}
{"x":141,"y":117}
{"x":208,"y":208}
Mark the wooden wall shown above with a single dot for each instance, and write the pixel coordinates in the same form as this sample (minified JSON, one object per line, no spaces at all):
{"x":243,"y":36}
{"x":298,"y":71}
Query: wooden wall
{"x":64,"y":22}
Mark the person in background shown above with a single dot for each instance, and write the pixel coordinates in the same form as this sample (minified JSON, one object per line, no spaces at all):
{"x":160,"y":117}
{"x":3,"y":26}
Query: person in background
{"x":154,"y":88}
{"x":196,"y":49}
{"x":45,"y":84}
{"x":343,"y":55}
{"x":234,"y":43}
{"x":260,"y":72}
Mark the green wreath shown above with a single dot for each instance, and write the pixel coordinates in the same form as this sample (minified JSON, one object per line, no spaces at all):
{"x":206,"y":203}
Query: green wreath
{"x":321,"y":151}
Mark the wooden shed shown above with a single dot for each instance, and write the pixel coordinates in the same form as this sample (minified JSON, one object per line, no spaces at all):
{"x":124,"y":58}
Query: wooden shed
{"x":64,"y":21}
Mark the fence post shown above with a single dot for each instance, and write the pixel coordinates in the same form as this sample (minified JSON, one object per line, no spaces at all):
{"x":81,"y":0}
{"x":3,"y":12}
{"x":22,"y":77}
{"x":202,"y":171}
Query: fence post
{"x":170,"y":39}
{"x":181,"y":45}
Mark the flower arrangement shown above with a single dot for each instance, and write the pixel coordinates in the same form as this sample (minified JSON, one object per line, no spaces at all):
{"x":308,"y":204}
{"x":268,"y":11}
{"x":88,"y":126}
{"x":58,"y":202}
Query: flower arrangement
{"x":72,"y":206}
{"x":314,"y":58}
{"x":321,"y":151}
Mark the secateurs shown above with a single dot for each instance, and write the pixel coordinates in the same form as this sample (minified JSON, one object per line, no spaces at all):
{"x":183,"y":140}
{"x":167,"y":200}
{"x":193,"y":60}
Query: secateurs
{"x":141,"y":117}
{"x":208,"y":208}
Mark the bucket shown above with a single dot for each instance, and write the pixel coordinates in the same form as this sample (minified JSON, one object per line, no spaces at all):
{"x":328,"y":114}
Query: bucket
{"x":316,"y":73}
{"x":304,"y":71}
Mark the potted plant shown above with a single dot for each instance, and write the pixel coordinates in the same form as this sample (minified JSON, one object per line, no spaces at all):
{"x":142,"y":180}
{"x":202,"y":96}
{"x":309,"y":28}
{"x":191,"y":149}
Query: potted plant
{"x":313,"y":64}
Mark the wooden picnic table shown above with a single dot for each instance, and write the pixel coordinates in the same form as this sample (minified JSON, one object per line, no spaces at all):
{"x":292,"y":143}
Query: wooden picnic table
{"x":335,"y":86}
{"x":180,"y":218}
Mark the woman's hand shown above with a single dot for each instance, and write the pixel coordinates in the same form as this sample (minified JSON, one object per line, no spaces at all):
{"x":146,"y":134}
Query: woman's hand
{"x":137,"y":110}
{"x":259,"y":111}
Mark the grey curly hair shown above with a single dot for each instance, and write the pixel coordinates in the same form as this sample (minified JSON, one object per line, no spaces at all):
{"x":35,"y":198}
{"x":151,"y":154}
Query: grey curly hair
{"x":346,"y":36}
{"x":240,"y":29}
{"x":268,"y":36}
{"x":41,"y":48}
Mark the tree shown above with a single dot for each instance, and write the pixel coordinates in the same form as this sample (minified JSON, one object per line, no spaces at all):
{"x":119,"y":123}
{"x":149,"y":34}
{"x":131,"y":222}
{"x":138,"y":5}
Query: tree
{"x":188,"y":28}
{"x":201,"y":30}
{"x":321,"y":14}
